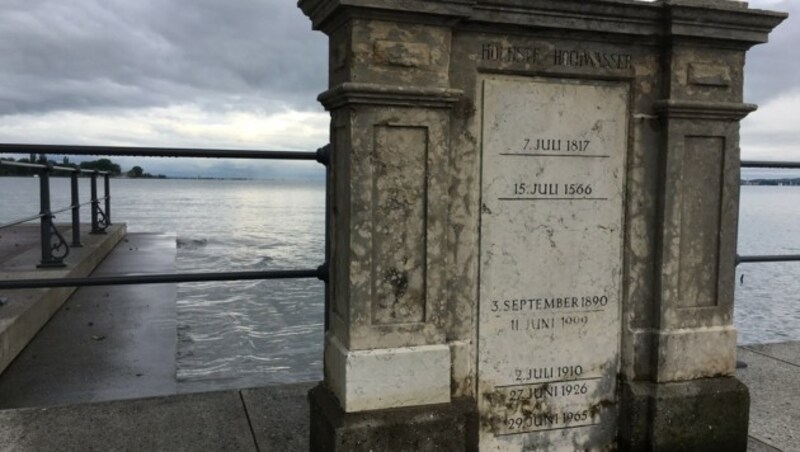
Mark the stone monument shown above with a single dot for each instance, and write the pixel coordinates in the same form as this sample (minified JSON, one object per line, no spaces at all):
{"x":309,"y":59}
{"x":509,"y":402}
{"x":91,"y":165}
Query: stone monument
{"x":532,"y":229}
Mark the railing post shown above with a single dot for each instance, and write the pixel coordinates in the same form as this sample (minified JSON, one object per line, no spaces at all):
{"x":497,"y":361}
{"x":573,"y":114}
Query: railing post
{"x":76,"y":218}
{"x":46,"y":222}
{"x":107,"y":190}
{"x":324,"y":157}
{"x":95,"y":206}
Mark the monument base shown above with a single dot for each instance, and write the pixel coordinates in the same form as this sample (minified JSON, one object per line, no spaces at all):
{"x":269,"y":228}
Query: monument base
{"x":702,"y":415}
{"x":442,"y":427}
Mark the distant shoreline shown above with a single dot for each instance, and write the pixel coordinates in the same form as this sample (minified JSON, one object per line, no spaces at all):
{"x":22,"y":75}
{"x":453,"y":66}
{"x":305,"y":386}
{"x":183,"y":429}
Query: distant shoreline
{"x":143,"y":178}
{"x":795,"y":181}
{"x":197,"y":178}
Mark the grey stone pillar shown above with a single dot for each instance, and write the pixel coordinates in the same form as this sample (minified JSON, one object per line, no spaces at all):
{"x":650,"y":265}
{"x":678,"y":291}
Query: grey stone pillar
{"x":683,"y":351}
{"x":386,"y":347}
{"x":533,"y":224}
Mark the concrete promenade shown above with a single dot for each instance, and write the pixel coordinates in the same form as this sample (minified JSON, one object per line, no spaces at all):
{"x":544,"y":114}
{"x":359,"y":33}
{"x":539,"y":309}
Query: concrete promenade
{"x":773,"y":376}
{"x":101,"y":376}
{"x":24,"y":312}
{"x":106,"y":342}
{"x":276,"y":418}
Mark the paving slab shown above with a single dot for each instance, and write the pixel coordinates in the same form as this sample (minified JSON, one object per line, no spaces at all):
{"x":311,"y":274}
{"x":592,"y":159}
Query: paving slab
{"x":754,"y":445}
{"x":785,"y":351}
{"x":189,"y":422}
{"x":16,"y":240}
{"x":276,"y":418}
{"x":279,"y":416}
{"x":774,"y":399}
{"x":106,"y":342}
{"x":23,"y":312}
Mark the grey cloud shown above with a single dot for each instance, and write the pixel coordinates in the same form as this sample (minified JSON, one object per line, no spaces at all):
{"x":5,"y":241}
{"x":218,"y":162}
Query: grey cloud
{"x":85,"y":54}
{"x":772,"y":69}
{"x":220,"y":54}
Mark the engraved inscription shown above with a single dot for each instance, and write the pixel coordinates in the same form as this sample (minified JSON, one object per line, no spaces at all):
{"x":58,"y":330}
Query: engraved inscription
{"x":580,"y":58}
{"x":558,"y":57}
{"x":545,"y":406}
{"x":551,"y":261}
{"x":510,"y":54}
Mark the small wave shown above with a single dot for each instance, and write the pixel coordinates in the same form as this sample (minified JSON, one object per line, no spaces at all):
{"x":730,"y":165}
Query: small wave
{"x":190,"y":244}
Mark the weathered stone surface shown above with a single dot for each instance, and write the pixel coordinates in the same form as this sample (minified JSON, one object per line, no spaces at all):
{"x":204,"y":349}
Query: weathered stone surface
{"x":696,"y":353}
{"x":424,"y":97}
{"x":553,"y":186}
{"x":389,"y":225}
{"x":435,"y":428}
{"x":699,"y":415}
{"x":387,"y":377}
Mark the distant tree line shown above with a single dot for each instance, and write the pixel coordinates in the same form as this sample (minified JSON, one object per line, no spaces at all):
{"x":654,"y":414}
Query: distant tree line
{"x":792,"y":181}
{"x":100,"y":165}
{"x":137,"y":172}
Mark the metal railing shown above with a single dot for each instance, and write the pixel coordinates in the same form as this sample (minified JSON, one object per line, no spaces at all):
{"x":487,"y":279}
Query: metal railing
{"x":53,"y":245}
{"x":321,"y":156}
{"x":768,"y":258}
{"x":320,"y":273}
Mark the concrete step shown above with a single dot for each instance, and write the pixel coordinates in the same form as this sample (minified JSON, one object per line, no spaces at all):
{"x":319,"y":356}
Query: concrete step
{"x":25,"y":311}
{"x":106,"y":342}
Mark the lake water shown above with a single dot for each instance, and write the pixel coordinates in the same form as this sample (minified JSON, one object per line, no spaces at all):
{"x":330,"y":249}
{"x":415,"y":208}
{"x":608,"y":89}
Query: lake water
{"x":266,"y":332}
{"x":256,"y":332}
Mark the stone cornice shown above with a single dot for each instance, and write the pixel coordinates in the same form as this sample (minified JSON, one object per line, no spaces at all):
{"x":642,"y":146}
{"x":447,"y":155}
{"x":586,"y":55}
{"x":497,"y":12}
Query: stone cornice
{"x":683,"y":109}
{"x":323,"y":12}
{"x":717,"y":20}
{"x":626,"y":17}
{"x":388,"y":95}
{"x":721,"y":21}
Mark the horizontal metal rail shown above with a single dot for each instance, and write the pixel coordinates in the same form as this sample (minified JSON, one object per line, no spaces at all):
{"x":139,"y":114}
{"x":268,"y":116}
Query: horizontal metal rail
{"x":154,"y":278}
{"x":53,"y":212}
{"x":52,"y":167}
{"x":768,"y":258}
{"x":54,"y":246}
{"x":769,"y":164}
{"x":21,"y":221}
{"x":36,"y":217}
{"x":320,"y":155}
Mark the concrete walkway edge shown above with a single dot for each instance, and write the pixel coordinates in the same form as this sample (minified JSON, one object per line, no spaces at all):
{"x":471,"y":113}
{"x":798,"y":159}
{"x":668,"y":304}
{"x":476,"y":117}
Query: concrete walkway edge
{"x":25,"y":311}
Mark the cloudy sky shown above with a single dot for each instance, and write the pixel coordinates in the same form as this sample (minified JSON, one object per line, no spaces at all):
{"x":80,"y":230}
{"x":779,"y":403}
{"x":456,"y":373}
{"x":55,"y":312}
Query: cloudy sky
{"x":241,"y":74}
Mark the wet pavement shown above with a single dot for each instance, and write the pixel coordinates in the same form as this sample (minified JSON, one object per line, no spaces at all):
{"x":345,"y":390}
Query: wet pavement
{"x":773,"y":377}
{"x":106,"y":342}
{"x":23,"y":312}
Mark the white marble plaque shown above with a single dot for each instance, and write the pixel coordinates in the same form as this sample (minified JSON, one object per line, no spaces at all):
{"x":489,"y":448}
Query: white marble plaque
{"x":553,"y":178}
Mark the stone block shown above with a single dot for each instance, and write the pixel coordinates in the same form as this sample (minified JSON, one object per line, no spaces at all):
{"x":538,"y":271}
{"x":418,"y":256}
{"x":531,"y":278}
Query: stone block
{"x":388,"y":377}
{"x":434,"y":428}
{"x":699,"y":415}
